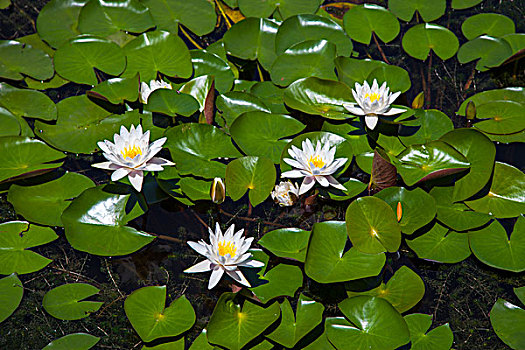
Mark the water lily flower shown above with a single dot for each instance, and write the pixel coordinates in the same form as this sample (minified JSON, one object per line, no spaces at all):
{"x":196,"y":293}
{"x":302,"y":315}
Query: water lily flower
{"x":226,"y":253}
{"x":217,"y":191}
{"x":314,"y":164}
{"x":131,"y":155}
{"x":146,"y":90}
{"x":286,"y":193}
{"x":372,"y":102}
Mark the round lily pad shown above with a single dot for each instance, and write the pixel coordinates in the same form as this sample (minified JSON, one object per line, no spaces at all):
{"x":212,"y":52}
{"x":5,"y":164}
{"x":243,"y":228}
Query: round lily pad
{"x":64,"y":302}
{"x":508,"y":321}
{"x":234,"y":103}
{"x":77,"y":341}
{"x":197,"y":15}
{"x":327,"y":261}
{"x":171,"y":102}
{"x":207,"y":63}
{"x":271,"y":95}
{"x":202,"y":89}
{"x":361,"y":21}
{"x":421,"y":38}
{"x":117,"y":90}
{"x":102,"y":232}
{"x":11,"y":293}
{"x":281,"y":280}
{"x":492,"y":24}
{"x":505,"y":117}
{"x":439,"y":338}
{"x":57,"y":22}
{"x":432,"y":125}
{"x":289,"y":243}
{"x":464,"y":4}
{"x":372,"y":226}
{"x":16,"y":101}
{"x":146,"y":310}
{"x":516,"y":94}
{"x":285,"y":8}
{"x":15,"y":239}
{"x":19,"y":59}
{"x":428,"y":10}
{"x":9,"y":122}
{"x":490,"y":51}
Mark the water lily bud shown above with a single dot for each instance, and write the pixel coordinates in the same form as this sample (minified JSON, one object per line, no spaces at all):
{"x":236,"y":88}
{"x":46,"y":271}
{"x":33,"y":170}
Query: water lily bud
{"x":285,"y":193}
{"x":218,"y":191}
{"x":419,"y":101}
{"x":470,"y":111}
{"x":399,"y":211}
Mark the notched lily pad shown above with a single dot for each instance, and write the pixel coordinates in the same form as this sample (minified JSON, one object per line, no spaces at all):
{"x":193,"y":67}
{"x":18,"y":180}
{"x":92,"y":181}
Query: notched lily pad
{"x":64,"y":302}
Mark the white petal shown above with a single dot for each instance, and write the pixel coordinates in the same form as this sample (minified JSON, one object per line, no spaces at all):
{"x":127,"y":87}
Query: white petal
{"x":252,"y":263}
{"x":322,"y":181}
{"x":215,"y":277}
{"x":198,"y":247}
{"x":239,"y":277}
{"x":120,"y":173}
{"x":203,"y":266}
{"x":292,"y":173}
{"x":124,"y":132}
{"x":308,"y":183}
{"x":293,"y":163}
{"x":353,"y":109}
{"x":103,"y":146}
{"x":393,"y":97}
{"x":394,"y":110}
{"x":106,"y":166}
{"x":375,"y":86}
{"x":136,"y":177}
{"x":371,"y":121}
{"x":335,"y":183}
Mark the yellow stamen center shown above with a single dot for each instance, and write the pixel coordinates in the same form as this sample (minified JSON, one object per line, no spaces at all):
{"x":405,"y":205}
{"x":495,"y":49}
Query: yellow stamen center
{"x":131,"y":152}
{"x":227,"y":248}
{"x":317,"y":161}
{"x":373,"y":96}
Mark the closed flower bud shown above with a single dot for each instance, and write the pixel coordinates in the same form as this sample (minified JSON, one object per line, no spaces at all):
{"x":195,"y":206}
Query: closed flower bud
{"x":218,"y":191}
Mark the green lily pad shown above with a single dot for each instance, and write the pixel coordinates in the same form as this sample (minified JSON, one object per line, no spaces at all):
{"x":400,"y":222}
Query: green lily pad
{"x":174,"y":345}
{"x":195,"y":189}
{"x":76,"y":59}
{"x":319,"y":97}
{"x":492,"y":246}
{"x":311,"y":58}
{"x":17,"y":60}
{"x":418,"y":207}
{"x":253,"y":38}
{"x":232,"y":326}
{"x":442,"y":245}
{"x":82,"y":123}
{"x":421,"y":38}
{"x":16,"y":101}
{"x":439,"y":338}
{"x":508,"y":321}
{"x":157,"y":51}
{"x":77,"y":341}
{"x":32,"y":157}
{"x":464,"y":4}
{"x":403,"y":290}
{"x":261,"y":134}
{"x":506,"y":197}
{"x":117,"y":90}
{"x":104,"y":18}
{"x":433,"y":159}
{"x":57,"y":21}
{"x":256,"y":174}
{"x":193,"y":146}
{"x":492,"y":24}
{"x":15,"y":238}
{"x":506,"y":117}
{"x":271,"y":95}
{"x":293,"y":327}
{"x":375,"y":324}
{"x":171,"y":102}
{"x":432,"y":125}
{"x":64,"y":302}
{"x":326,"y":261}
{"x":516,"y":41}
{"x":200,"y":88}
{"x":286,"y":8}
{"x":396,"y":78}
{"x":281,"y":280}
{"x":201,"y":342}
{"x":353,"y":188}
{"x":361,"y":21}
{"x":289,"y":243}
{"x":491,"y":52}
{"x":146,"y":310}
{"x":312,"y":27}
{"x":429,"y":10}
{"x":10,"y":123}
{"x":11,"y":293}
{"x":44,"y":203}
{"x":207,"y":63}
{"x":197,"y":15}
{"x":321,"y":343}
{"x":456,"y":215}
{"x":516,"y":94}
{"x":372,"y":226}
{"x":102,"y":232}
{"x":234,"y":103}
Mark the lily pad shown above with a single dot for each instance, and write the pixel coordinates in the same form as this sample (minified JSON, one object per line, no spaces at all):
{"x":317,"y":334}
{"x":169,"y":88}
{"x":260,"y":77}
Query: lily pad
{"x":76,"y":59}
{"x":396,"y":77}
{"x":319,"y":97}
{"x":464,"y":4}
{"x":11,"y":293}
{"x":261,"y":133}
{"x":372,"y":226}
{"x":490,"y":51}
{"x":64,"y":302}
{"x":432,"y":125}
{"x":256,"y":174}
{"x":157,"y":51}
{"x":506,"y":197}
{"x":146,"y":310}
{"x":234,"y":103}
{"x":101,"y":231}
{"x":17,"y":60}
{"x":508,"y":321}
{"x":171,"y":103}
{"x":439,"y":338}
{"x":16,"y":101}
{"x":174,"y":345}
{"x":201,"y":88}
{"x":281,"y":280}
{"x":505,"y":117}
{"x":290,"y":243}
{"x":427,"y":161}
{"x":421,"y":38}
{"x":374,"y":324}
{"x":232,"y":326}
{"x":418,"y":207}
{"x":327,"y":261}
{"x":492,"y":24}
{"x":361,"y":21}
{"x":441,"y":244}
{"x":32,"y":157}
{"x":10,"y":123}
{"x":15,"y":238}
{"x":44,"y":203}
{"x":311,"y":58}
{"x":193,"y":146}
{"x":293,"y":327}
{"x":285,"y":8}
{"x":428,"y":10}
{"x":117,"y":90}
{"x":516,"y":94}
{"x":271,"y":95}
{"x":207,"y":63}
{"x":77,"y":341}
{"x":492,"y":246}
{"x":403,"y":290}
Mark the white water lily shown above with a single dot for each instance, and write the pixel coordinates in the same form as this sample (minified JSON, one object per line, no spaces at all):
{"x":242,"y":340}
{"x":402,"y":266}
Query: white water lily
{"x":226,"y":253}
{"x":372,"y":102}
{"x":285,"y":193}
{"x":146,"y":90}
{"x":314,"y":165}
{"x":131,"y":155}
